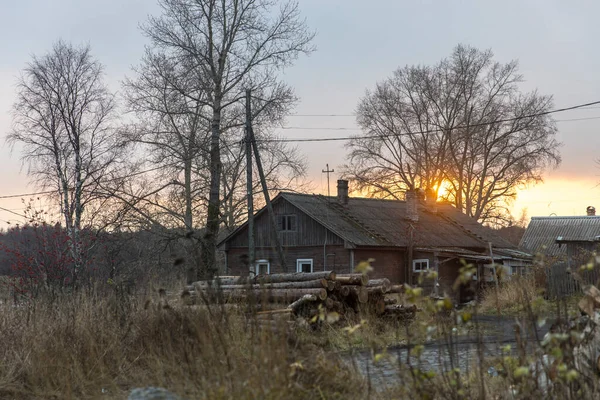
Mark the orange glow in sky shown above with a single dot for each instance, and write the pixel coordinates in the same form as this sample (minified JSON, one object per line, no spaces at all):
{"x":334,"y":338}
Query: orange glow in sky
{"x":558,"y":196}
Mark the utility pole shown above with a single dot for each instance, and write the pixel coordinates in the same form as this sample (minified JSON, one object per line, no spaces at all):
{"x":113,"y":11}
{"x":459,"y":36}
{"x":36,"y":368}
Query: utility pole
{"x":327,"y":171}
{"x":274,"y":235}
{"x":249,"y":196}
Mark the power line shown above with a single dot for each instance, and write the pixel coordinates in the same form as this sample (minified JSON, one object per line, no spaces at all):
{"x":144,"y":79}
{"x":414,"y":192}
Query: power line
{"x":301,"y":128}
{"x":577,"y":119}
{"x":354,"y":115}
{"x":12,"y":212}
{"x":322,"y":115}
{"x":344,"y":138}
{"x":12,"y":196}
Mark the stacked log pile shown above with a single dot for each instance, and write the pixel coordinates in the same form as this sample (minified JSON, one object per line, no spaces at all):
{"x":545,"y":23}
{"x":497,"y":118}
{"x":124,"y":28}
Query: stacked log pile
{"x":304,"y":294}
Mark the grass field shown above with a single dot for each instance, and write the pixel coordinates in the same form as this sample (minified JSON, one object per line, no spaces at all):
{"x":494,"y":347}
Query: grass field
{"x":90,"y":345}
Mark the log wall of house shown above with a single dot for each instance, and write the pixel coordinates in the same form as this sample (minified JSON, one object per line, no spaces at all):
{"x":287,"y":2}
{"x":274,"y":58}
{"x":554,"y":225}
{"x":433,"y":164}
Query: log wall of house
{"x":308,"y":232}
{"x":338,"y":259}
{"x":388,"y":263}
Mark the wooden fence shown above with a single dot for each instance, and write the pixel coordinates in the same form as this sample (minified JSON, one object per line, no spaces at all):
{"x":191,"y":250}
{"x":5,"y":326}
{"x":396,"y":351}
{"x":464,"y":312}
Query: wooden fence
{"x":560,"y":282}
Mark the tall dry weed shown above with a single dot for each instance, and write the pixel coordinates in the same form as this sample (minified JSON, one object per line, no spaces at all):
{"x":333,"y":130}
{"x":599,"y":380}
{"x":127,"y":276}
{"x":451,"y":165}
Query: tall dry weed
{"x":86,"y":346}
{"x":511,"y":296}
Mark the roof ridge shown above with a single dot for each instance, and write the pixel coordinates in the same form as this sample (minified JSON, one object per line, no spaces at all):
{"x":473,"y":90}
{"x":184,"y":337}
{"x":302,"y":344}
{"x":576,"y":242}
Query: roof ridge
{"x":335,"y":197}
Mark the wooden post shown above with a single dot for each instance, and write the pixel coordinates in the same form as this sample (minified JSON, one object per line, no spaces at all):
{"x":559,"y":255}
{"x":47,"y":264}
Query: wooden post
{"x":436,"y":281}
{"x":250,"y":199}
{"x":495,"y":277}
{"x":409,"y":267}
{"x":263,"y":182}
{"x":493,"y":265}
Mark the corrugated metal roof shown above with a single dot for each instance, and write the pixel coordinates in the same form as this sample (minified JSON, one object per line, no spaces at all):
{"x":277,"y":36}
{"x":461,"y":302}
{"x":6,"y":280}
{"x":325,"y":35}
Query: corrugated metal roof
{"x":543,"y":231}
{"x":376,"y":222}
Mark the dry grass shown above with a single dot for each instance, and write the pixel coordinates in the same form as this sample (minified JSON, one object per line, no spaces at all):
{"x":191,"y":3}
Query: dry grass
{"x":512,"y":296}
{"x":521,"y":295}
{"x":85,"y":346}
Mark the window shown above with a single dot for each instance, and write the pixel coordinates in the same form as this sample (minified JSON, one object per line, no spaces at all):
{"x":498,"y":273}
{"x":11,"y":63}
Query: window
{"x":304,"y":265}
{"x":262,"y":267}
{"x":286,"y":223}
{"x":420,"y":265}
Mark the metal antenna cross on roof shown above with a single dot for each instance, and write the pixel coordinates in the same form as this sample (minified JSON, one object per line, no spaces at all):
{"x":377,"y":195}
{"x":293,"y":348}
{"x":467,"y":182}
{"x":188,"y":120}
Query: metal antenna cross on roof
{"x":327,"y":171}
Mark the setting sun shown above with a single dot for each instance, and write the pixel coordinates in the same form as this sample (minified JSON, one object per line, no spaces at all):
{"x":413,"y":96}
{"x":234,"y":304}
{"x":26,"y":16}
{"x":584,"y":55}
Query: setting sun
{"x":443,"y":189}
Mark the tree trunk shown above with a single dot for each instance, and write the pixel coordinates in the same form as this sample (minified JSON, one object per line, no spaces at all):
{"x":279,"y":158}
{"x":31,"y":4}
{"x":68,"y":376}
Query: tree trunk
{"x":281,"y":295}
{"x":385,"y":282}
{"x":307,"y":298}
{"x":209,"y":243}
{"x":331,"y":285}
{"x":316,"y":283}
{"x":353,"y":279}
{"x":296,"y":277}
{"x":345,"y":291}
{"x":276,"y":311}
{"x":376,"y":290}
{"x":378,"y":306}
{"x":396,"y":289}
{"x":400,"y":309}
{"x":360,"y":293}
{"x":195,"y":264}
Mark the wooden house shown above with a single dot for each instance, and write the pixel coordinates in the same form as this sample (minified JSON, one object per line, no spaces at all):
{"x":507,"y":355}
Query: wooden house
{"x":405,"y":238}
{"x":565,"y":243}
{"x":563,"y":238}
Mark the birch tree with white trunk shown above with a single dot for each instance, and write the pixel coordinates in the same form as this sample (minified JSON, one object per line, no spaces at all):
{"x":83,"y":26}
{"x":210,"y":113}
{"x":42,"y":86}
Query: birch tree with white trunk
{"x":63,"y":118}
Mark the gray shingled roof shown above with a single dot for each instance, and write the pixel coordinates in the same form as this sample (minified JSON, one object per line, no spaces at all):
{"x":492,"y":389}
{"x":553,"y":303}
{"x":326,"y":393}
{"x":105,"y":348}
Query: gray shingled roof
{"x":543,"y":231}
{"x":376,"y":222}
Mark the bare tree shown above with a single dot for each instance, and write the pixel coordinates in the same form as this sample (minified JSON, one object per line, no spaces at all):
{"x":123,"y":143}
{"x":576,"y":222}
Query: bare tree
{"x":225,"y":47}
{"x":62,"y":117}
{"x":463,"y":123}
{"x":172,"y":131}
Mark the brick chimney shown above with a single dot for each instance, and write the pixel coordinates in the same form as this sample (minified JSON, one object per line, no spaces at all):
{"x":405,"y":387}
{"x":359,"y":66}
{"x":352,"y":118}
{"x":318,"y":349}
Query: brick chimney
{"x":431,"y":200}
{"x":411,"y":198}
{"x":590,"y":211}
{"x":342,"y":191}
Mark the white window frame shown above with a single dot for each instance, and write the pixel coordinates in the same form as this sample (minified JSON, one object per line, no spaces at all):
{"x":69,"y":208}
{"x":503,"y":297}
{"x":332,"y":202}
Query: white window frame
{"x":258,"y":271}
{"x":300,"y":261}
{"x":420,"y":260}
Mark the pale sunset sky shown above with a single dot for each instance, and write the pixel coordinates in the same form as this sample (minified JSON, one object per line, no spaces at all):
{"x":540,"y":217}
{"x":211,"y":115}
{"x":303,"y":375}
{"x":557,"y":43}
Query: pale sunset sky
{"x":358,"y":43}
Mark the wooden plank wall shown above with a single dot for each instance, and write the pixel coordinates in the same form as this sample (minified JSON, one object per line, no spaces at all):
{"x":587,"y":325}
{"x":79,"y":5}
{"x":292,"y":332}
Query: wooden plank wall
{"x":561,"y":283}
{"x":308,"y":231}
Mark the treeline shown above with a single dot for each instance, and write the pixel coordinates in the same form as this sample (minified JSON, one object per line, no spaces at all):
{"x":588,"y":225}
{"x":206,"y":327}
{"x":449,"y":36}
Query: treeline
{"x":38,"y":257}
